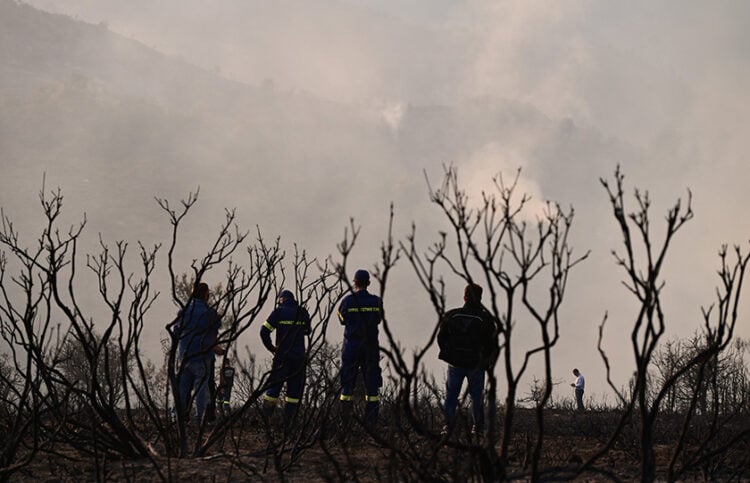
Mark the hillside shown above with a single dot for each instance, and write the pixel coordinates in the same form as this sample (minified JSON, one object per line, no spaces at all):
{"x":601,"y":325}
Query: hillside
{"x":106,"y":116}
{"x":90,"y":107}
{"x":115,"y":123}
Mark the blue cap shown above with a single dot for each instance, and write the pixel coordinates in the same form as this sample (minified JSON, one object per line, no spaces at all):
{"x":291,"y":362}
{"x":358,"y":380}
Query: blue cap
{"x":361,"y":276}
{"x":286,"y":294}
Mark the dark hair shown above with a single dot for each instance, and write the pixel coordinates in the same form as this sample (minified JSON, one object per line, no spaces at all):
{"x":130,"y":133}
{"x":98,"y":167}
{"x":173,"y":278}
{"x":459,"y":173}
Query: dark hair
{"x":473,"y":293}
{"x":200,"y":291}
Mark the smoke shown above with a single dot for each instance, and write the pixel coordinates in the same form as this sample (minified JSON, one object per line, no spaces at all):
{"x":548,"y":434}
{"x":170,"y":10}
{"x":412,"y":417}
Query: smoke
{"x":393,"y":114}
{"x":351,"y":102}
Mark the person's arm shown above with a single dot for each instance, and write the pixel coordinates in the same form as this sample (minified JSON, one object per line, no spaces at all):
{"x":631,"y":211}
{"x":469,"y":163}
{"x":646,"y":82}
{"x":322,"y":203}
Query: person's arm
{"x":175,"y":327}
{"x":492,"y":343}
{"x":265,"y":332}
{"x":308,"y":324}
{"x":442,"y":336}
{"x":342,"y":311}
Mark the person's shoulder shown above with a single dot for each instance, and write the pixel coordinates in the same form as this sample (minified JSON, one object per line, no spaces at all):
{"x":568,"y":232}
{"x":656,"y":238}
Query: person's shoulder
{"x":201,"y":306}
{"x":487,"y":315}
{"x":452,"y":314}
{"x":273,"y":315}
{"x":345,"y":303}
{"x":454,"y":311}
{"x":362,"y":297}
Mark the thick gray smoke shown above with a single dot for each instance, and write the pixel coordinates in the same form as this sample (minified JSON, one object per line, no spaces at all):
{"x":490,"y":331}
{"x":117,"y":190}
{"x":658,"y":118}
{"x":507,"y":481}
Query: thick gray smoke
{"x":303,"y":114}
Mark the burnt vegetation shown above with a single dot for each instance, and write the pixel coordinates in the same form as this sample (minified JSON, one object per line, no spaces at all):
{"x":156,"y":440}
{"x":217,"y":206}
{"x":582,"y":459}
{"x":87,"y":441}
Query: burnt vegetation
{"x":78,"y":400}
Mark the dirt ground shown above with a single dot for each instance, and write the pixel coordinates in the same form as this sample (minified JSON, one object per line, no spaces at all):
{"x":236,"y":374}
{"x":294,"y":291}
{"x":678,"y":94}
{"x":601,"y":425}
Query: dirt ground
{"x":353,"y":455}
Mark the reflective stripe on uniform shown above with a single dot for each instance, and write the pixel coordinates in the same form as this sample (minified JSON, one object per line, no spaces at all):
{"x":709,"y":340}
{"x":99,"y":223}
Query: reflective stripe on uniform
{"x":270,"y":398}
{"x":363,"y":309}
{"x":268,"y":326}
{"x":341,"y":316}
{"x":375,"y":398}
{"x":291,"y":322}
{"x":346,"y":397}
{"x":292,"y":400}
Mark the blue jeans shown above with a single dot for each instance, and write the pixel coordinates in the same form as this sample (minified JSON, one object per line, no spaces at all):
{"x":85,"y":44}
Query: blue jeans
{"x":475,"y":378}
{"x":194,"y":376}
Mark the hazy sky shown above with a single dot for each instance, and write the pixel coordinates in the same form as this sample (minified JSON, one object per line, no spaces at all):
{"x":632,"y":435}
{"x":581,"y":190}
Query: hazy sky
{"x":565,"y":90}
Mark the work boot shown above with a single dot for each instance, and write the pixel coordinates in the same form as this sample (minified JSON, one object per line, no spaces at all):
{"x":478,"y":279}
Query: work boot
{"x":290,"y":417}
{"x":267,"y":410}
{"x":346,"y":419}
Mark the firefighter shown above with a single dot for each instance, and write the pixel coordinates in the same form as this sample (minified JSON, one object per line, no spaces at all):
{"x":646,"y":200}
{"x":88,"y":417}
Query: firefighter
{"x":360,"y":314}
{"x":291,"y":322}
{"x":226,"y":381}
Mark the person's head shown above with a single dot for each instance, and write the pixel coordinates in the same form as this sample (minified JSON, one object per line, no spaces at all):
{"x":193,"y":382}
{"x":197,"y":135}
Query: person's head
{"x":576,"y":372}
{"x":200,"y":291}
{"x":285,"y":296}
{"x":473,"y":294}
{"x":361,"y":279}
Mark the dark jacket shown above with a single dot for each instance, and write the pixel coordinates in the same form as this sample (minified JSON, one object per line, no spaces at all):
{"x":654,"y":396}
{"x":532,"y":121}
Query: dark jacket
{"x":360,"y":313}
{"x":291,"y":323}
{"x":467,"y":337}
{"x":196,"y":328}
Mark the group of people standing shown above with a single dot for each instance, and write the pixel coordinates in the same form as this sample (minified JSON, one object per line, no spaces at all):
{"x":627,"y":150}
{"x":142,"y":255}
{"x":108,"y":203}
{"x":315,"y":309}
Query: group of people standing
{"x":467,"y":338}
{"x":196,"y":330}
{"x":360,"y":313}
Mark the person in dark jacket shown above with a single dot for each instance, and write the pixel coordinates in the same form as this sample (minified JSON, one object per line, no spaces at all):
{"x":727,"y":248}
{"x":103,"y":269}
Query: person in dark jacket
{"x":195,"y":329}
{"x":291,"y":322}
{"x":467,"y":338}
{"x":360,"y":313}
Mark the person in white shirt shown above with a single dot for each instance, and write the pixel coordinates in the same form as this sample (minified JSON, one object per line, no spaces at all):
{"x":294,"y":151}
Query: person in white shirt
{"x":579,"y":386}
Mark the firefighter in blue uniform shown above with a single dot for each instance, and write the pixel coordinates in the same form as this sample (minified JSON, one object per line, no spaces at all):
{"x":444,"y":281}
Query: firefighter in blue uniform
{"x":291,"y":322}
{"x":360,"y":314}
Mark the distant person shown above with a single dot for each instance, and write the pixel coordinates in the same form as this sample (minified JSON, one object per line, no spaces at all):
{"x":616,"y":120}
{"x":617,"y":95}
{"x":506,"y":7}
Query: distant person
{"x":291,"y":322}
{"x":579,"y":385}
{"x":226,"y":382}
{"x":196,"y":329}
{"x":360,"y":313}
{"x":467,"y":338}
